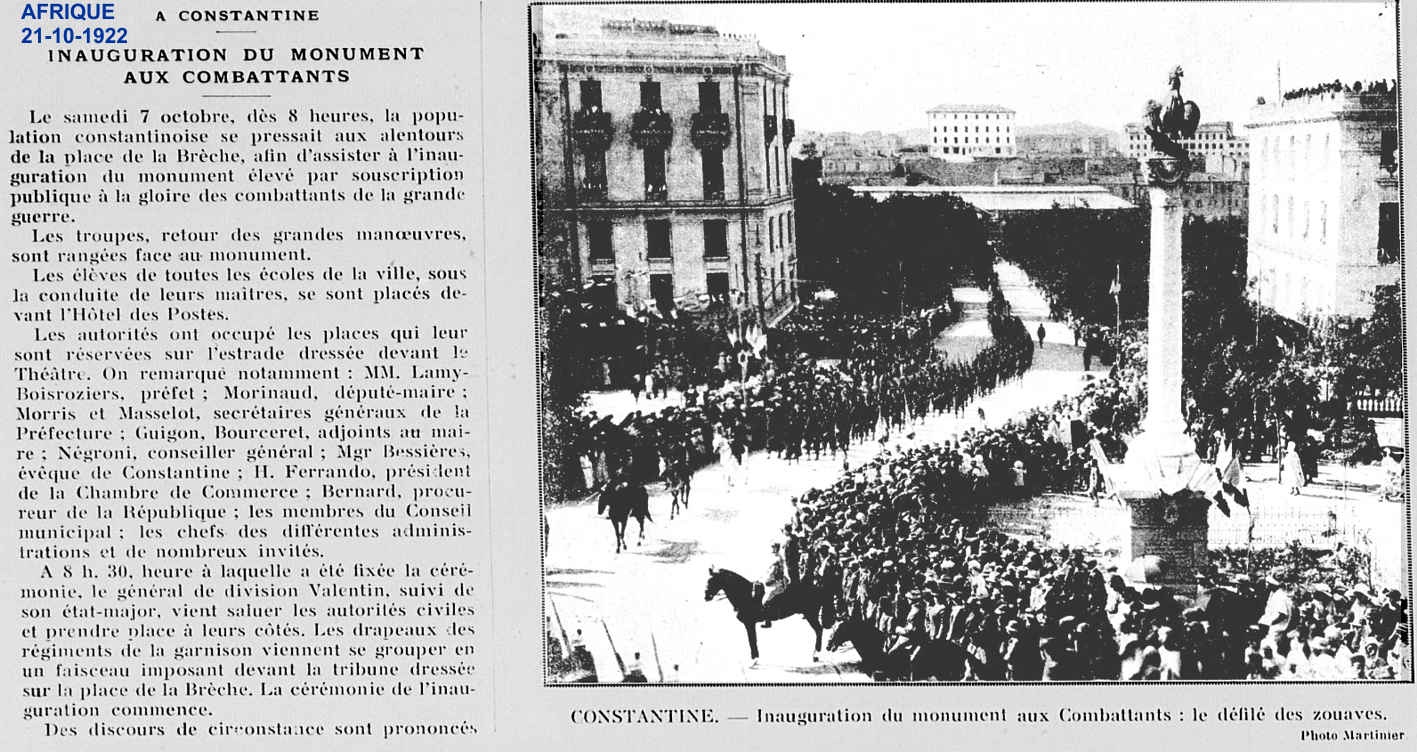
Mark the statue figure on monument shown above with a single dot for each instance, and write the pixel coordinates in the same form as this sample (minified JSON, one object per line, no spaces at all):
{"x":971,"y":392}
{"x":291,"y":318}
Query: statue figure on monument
{"x":1166,"y":126}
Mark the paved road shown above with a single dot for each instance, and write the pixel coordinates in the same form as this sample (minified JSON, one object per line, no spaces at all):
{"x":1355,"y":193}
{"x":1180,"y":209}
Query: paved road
{"x":650,"y":599}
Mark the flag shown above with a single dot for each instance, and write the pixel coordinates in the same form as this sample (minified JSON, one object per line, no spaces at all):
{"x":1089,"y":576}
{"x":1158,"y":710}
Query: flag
{"x":1227,"y":469}
{"x":756,"y":339}
{"x":1116,"y":288}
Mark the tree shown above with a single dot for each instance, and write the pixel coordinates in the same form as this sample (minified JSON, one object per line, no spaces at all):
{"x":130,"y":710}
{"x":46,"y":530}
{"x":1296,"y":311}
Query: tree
{"x":880,"y":256}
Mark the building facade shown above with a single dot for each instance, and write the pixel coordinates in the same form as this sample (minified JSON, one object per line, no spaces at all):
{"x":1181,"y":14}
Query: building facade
{"x":662,"y":170}
{"x":1324,"y":202}
{"x":1221,"y":151}
{"x":967,"y":131}
{"x":1207,"y":195}
{"x":852,"y":166}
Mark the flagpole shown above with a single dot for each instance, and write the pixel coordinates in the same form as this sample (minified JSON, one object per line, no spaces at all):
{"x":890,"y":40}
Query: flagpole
{"x":1117,"y":299}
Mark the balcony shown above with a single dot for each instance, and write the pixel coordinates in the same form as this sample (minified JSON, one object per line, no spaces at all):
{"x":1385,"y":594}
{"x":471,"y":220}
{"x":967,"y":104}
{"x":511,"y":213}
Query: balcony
{"x":789,"y":130}
{"x":651,"y":129}
{"x":656,"y":193}
{"x":591,"y":129}
{"x":709,"y":130}
{"x":769,"y":128}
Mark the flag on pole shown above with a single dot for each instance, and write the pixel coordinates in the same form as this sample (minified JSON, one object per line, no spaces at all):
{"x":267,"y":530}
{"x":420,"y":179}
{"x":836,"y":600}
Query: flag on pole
{"x":1222,"y":484}
{"x":1228,"y":472}
{"x":1116,"y":288}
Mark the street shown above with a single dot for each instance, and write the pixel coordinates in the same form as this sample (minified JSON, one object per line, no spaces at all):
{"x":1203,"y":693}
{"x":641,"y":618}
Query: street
{"x":650,"y":599}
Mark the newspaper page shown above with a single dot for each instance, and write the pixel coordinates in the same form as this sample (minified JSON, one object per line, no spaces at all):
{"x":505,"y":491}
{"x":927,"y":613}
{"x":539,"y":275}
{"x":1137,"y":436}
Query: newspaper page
{"x":511,"y":375}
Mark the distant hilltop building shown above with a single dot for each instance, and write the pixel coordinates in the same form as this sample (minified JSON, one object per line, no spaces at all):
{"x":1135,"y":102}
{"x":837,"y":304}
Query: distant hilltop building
{"x":1324,"y":216}
{"x":1222,"y":151}
{"x":1070,"y":139}
{"x":662,"y":168}
{"x":966,"y":131}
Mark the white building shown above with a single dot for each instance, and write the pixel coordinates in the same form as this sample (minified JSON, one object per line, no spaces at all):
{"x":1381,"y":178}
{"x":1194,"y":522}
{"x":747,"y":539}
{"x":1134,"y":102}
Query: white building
{"x":1324,"y":201}
{"x":966,"y":131}
{"x":1223,"y":152}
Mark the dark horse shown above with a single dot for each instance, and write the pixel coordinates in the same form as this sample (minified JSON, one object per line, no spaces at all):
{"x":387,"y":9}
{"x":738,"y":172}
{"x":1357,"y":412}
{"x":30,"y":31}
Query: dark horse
{"x":625,"y":500}
{"x":938,"y":660}
{"x":798,"y":598}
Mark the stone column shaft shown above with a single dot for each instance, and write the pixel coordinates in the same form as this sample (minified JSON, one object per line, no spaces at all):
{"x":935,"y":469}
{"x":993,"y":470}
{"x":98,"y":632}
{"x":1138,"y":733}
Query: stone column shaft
{"x":1164,"y":427}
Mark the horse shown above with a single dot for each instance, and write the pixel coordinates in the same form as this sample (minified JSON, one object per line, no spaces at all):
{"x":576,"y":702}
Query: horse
{"x":797,"y":598}
{"x":625,"y":500}
{"x":939,"y":660}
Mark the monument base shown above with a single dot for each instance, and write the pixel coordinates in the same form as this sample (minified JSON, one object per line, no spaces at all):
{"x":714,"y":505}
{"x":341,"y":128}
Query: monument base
{"x":1175,"y":531}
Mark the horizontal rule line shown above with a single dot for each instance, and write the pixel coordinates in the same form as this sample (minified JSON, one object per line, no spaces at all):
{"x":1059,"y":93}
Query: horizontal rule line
{"x":236,"y":96}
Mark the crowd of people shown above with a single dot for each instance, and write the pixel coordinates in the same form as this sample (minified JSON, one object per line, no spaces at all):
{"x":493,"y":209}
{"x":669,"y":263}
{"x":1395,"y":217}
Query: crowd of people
{"x":1381,"y":86}
{"x":889,"y":372}
{"x":888,"y":543}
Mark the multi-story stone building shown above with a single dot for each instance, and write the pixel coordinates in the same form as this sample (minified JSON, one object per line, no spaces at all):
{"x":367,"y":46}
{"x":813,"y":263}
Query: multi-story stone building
{"x":662,"y":168}
{"x":1324,"y":200}
{"x":852,"y":166}
{"x":1218,"y":149}
{"x":1208,"y":195}
{"x":1074,"y":138}
{"x":966,"y":131}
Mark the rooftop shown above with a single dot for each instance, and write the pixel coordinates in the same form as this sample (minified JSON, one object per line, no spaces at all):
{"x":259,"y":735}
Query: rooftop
{"x":1358,"y":100}
{"x":1006,"y":198}
{"x":641,"y":40}
{"x":969,"y":108}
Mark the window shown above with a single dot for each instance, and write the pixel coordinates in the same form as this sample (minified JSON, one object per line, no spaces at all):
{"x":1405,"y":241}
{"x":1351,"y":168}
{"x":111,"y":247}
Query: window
{"x":792,"y":227}
{"x":716,"y":238}
{"x":772,"y":230}
{"x":717,"y":283}
{"x":709,"y":100}
{"x":655,"y":187}
{"x":1323,"y":221}
{"x":1274,"y":214}
{"x":603,"y":293}
{"x":1388,"y":158}
{"x":1289,"y":217}
{"x":590,"y":94}
{"x":1306,"y":219}
{"x":657,"y":239}
{"x":594,"y":172}
{"x":661,"y":290}
{"x":649,"y":95}
{"x":1388,"y":242}
{"x":712,"y":157}
{"x":601,"y":249}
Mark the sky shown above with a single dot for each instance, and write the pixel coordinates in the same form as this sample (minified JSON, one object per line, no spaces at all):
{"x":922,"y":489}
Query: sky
{"x":858,"y":66}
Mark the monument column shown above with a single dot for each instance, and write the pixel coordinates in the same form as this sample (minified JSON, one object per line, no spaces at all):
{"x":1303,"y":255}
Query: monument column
{"x":1161,"y":477}
{"x":1163,"y":436}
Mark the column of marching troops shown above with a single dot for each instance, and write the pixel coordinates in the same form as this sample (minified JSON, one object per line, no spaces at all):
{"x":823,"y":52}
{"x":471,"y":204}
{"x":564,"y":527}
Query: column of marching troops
{"x":889,"y":372}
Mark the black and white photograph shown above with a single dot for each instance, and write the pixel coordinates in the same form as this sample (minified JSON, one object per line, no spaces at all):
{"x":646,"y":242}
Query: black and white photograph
{"x":970,"y":342}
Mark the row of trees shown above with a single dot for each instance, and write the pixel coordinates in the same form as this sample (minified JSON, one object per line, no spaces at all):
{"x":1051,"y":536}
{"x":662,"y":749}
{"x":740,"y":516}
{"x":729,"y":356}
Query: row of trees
{"x":1249,"y":372}
{"x":882,"y":256}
